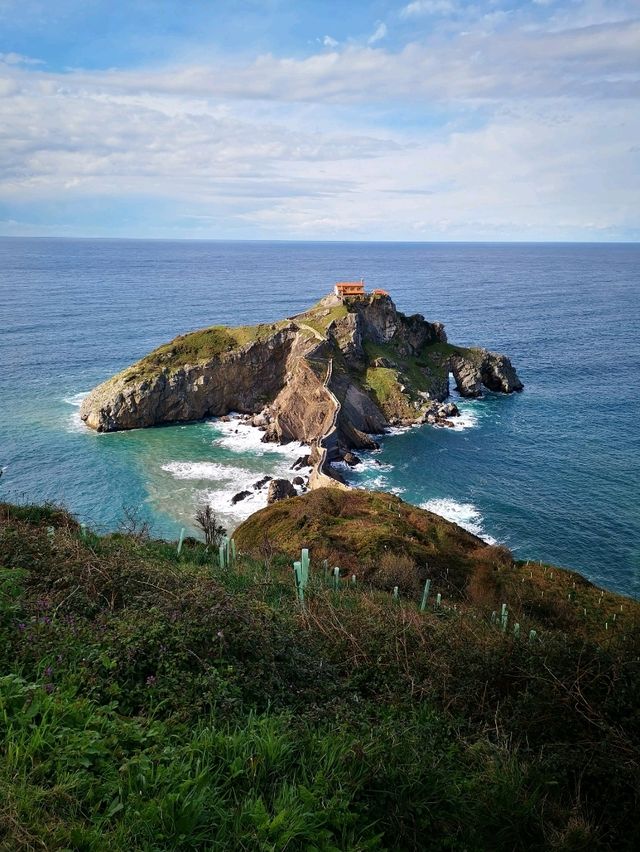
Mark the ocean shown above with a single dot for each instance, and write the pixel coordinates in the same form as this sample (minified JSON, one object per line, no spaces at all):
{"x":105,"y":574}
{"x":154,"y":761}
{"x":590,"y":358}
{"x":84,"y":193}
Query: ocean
{"x":553,"y":472}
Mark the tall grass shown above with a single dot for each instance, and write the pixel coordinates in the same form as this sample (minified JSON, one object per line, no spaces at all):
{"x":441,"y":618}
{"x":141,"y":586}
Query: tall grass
{"x":156,"y":701}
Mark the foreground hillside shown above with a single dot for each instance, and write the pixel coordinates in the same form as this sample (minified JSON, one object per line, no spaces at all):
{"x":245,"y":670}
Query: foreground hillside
{"x":386,"y":542}
{"x":156,"y":701}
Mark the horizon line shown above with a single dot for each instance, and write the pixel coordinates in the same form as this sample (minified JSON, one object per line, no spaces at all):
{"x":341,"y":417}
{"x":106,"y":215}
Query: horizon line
{"x":316,"y":241}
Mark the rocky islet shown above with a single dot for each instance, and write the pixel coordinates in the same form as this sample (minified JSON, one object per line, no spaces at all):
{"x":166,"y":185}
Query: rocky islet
{"x":332,"y":377}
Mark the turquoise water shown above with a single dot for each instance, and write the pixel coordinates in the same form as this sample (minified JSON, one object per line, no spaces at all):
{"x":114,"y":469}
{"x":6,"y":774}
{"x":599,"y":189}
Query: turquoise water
{"x":554,"y":472}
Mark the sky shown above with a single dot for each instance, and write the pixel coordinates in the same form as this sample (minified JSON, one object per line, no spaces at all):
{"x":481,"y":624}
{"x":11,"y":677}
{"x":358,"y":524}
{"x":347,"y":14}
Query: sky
{"x":427,"y":120}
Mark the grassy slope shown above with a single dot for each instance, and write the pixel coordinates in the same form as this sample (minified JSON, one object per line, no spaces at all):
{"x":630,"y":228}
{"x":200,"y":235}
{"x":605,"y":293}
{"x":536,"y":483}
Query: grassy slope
{"x":384,"y":383}
{"x":415,"y":373}
{"x":198,"y":347}
{"x":155,"y":702}
{"x":320,"y":318}
{"x":204,"y":344}
{"x":362,"y":531}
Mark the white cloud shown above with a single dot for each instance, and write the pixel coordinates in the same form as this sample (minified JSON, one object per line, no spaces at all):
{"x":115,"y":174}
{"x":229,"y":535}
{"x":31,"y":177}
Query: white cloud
{"x":77,"y":138}
{"x":599,"y":61}
{"x":378,"y":34}
{"x":18,"y":59}
{"x":428,"y":7}
{"x":539,"y":139}
{"x":330,"y":42}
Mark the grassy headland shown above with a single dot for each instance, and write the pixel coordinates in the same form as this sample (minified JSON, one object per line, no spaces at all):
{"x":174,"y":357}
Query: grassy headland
{"x":156,"y":701}
{"x":198,"y":347}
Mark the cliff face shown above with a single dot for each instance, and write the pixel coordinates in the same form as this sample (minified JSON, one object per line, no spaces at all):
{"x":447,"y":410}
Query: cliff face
{"x":240,"y":379}
{"x":345,"y":367}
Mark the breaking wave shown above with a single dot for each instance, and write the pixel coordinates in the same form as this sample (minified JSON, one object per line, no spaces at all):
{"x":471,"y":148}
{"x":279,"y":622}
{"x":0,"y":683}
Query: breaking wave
{"x":466,"y":515}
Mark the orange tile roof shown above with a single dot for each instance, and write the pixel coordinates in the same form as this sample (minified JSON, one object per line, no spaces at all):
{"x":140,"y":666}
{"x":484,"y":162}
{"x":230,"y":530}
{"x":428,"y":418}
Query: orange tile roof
{"x":350,"y":288}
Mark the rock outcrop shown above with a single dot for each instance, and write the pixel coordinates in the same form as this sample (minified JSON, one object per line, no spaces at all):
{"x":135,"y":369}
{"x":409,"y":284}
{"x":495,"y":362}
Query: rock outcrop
{"x":332,"y":377}
{"x":156,"y":391}
{"x":498,"y":374}
{"x":280,"y":489}
{"x":484,"y":368}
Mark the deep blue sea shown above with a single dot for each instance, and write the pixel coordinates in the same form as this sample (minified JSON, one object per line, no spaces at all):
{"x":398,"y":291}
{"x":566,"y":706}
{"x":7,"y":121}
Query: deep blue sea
{"x":553,"y":472}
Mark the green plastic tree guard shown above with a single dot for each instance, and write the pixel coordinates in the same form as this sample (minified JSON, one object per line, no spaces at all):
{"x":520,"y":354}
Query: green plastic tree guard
{"x":304,"y":562}
{"x":425,"y":595}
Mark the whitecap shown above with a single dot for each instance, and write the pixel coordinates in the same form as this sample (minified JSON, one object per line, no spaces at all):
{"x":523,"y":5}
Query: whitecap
{"x":221,"y":500}
{"x":379,"y":482}
{"x":395,"y":430}
{"x":465,"y":515}
{"x":469,"y":409}
{"x":76,"y":399}
{"x":74,"y":423}
{"x":239,"y":436}
{"x":372,"y":464}
{"x":203,"y":470}
{"x":365,"y":465}
{"x":228,"y":479}
{"x":467,"y":419}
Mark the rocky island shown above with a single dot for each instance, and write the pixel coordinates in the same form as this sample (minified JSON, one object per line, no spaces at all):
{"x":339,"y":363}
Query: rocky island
{"x":332,"y":377}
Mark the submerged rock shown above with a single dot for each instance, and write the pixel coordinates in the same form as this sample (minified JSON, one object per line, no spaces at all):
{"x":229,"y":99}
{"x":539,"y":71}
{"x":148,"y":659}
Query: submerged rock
{"x":299,"y":463}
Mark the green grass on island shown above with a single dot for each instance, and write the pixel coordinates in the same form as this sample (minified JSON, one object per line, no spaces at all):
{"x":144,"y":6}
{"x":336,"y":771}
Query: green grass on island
{"x":320,"y":318}
{"x":198,"y":347}
{"x":396,"y":387}
{"x":158,"y":702}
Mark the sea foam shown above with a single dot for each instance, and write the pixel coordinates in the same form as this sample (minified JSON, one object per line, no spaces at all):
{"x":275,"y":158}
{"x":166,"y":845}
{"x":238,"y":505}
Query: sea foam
{"x":239,"y":436}
{"x":469,"y":409}
{"x":76,"y":399}
{"x":244,"y":442}
{"x":466,"y":515}
{"x":74,"y":423}
{"x":204,"y":470}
